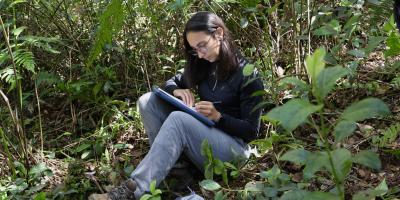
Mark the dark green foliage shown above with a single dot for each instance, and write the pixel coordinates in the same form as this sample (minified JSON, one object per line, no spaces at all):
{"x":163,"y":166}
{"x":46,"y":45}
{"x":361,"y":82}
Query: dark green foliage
{"x":90,"y":60}
{"x":110,"y":23}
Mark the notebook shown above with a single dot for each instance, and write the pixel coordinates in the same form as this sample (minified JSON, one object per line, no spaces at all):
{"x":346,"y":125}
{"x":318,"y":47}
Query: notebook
{"x":181,"y":105}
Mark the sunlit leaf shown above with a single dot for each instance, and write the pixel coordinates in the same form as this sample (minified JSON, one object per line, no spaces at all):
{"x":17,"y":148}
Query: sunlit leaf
{"x":293,"y":113}
{"x":210,"y":185}
{"x":365,"y":109}
{"x":315,"y":63}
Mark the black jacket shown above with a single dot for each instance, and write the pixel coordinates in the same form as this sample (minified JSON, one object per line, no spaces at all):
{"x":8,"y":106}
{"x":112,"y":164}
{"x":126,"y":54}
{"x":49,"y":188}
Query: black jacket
{"x":237,"y":102}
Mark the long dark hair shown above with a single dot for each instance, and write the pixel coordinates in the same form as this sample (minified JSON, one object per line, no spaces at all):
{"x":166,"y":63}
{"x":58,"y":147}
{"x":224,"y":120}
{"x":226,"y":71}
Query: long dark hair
{"x":197,"y":69}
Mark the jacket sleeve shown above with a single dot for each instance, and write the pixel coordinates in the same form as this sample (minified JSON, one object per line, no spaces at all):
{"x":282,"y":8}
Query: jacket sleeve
{"x":176,"y":82}
{"x":247,"y":127}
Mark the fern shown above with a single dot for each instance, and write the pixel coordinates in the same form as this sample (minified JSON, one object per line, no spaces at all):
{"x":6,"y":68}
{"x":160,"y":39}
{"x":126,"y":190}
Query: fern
{"x":111,"y":22}
{"x":396,"y":82}
{"x":383,"y":11}
{"x":40,"y":42}
{"x":22,"y":58}
{"x":388,"y":136}
{"x":25,"y":59}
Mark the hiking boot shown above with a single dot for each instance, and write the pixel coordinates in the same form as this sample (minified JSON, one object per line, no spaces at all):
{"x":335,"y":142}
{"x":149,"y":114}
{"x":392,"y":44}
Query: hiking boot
{"x":123,"y":192}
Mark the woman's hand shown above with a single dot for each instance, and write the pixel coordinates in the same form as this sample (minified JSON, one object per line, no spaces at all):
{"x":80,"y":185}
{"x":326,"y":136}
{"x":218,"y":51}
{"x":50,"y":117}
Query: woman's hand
{"x":186,"y":96}
{"x":207,"y":109}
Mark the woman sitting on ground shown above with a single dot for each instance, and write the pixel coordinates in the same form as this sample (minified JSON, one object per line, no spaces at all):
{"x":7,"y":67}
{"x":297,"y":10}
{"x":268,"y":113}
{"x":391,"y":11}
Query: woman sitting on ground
{"x":215,"y":71}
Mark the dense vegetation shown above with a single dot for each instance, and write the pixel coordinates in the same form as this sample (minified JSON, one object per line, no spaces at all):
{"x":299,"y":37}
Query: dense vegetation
{"x":71,"y":71}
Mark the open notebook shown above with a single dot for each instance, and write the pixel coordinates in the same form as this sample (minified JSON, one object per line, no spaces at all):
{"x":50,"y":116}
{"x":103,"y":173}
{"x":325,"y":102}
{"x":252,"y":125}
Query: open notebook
{"x":181,"y":106}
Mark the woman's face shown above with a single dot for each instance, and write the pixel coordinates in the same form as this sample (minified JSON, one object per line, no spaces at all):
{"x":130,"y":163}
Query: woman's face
{"x":204,"y":45}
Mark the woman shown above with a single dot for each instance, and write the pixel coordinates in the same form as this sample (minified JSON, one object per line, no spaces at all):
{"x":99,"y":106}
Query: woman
{"x":215,"y":71}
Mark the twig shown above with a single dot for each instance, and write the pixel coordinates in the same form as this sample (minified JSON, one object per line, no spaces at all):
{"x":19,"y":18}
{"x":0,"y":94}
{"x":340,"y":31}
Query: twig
{"x":40,"y":122}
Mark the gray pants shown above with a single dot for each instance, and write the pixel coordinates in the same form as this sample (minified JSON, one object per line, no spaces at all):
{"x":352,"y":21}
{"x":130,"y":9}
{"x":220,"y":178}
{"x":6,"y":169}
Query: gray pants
{"x":172,"y":133}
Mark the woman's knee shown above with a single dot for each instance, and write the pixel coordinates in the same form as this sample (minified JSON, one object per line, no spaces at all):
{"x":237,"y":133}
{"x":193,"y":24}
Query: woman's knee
{"x":179,"y":116}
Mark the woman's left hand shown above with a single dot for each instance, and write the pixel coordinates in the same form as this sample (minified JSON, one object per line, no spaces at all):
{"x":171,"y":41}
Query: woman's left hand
{"x":207,"y":109}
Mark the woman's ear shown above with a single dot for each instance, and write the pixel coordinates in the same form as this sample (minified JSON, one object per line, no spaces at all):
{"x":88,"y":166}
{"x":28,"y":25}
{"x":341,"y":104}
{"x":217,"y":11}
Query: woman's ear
{"x":219,"y":33}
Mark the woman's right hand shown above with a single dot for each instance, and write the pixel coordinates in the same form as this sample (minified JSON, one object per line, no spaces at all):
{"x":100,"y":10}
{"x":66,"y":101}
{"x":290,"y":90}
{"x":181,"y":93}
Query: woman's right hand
{"x":186,"y":96}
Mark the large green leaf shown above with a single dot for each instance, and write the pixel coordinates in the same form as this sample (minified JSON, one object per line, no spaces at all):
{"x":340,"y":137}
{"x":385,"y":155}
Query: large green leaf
{"x":298,"y":156}
{"x":364,"y":109}
{"x":326,"y":80}
{"x":393,"y":42}
{"x":294,"y":194}
{"x":321,"y":196}
{"x":315,"y":63}
{"x":299,"y":85}
{"x":293,"y":113}
{"x":315,"y":162}
{"x":273,"y":173}
{"x":369,"y":159}
{"x":254,"y":186}
{"x":344,"y":129}
{"x":342,"y":163}
{"x":210,"y":185}
{"x":248,"y":69}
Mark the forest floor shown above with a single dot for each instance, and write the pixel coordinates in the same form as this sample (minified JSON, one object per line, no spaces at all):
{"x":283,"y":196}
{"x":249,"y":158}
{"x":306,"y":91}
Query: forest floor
{"x":100,"y":173}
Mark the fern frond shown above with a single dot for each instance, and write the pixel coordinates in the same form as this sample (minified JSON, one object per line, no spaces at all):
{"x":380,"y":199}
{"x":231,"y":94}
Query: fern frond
{"x":25,"y":59}
{"x":7,"y":75}
{"x":111,"y":22}
{"x":396,"y":82}
{"x":388,"y":136}
{"x":380,"y":13}
{"x":40,"y":42}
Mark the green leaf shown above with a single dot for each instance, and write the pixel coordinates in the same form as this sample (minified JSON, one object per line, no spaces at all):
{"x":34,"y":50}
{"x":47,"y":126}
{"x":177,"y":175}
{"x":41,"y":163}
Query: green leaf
{"x":373,"y":42}
{"x":111,"y":21}
{"x":220,"y":195}
{"x":38,"y":169}
{"x":82,"y":147}
{"x":294,"y":194}
{"x":244,"y":22}
{"x":326,"y":80}
{"x":344,"y":129}
{"x":382,"y":188}
{"x":321,"y":196}
{"x":254,"y":186}
{"x":332,"y":28}
{"x":299,"y":85}
{"x":273,"y":173}
{"x":248,"y":69}
{"x":16,"y":32}
{"x":293,"y":113}
{"x":315,"y":162}
{"x":369,"y":159}
{"x":145,"y":197}
{"x":376,"y":2}
{"x":270,"y":192}
{"x":209,"y":171}
{"x":315,"y":63}
{"x":342,"y":163}
{"x":40,"y":196}
{"x":298,"y":156}
{"x":153,"y":186}
{"x":210,"y":185}
{"x":357,"y":53}
{"x":86,"y":154}
{"x":393,"y":42}
{"x":206,"y":150}
{"x":364,"y":109}
{"x":218,"y":166}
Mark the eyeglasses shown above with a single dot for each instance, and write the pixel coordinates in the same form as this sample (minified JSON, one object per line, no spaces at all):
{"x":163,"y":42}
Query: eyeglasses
{"x":201,"y":47}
